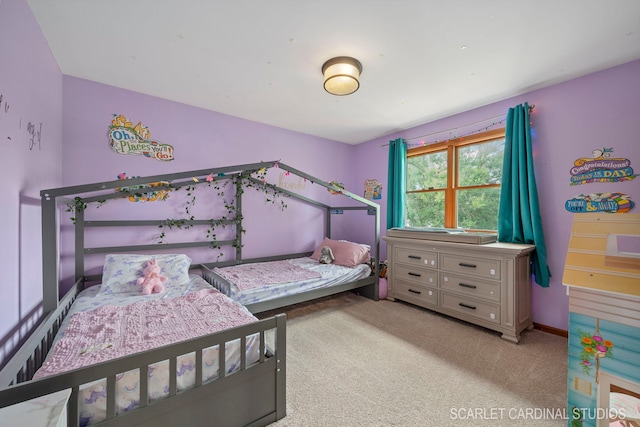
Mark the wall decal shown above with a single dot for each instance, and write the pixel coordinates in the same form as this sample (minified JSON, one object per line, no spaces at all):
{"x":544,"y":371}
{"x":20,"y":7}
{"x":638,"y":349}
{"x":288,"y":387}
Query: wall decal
{"x":287,"y":182}
{"x":336,"y":184}
{"x":144,"y":196}
{"x":601,"y":168}
{"x":124,"y":138}
{"x":372,"y":189}
{"x":600,"y":202}
{"x":34,"y":131}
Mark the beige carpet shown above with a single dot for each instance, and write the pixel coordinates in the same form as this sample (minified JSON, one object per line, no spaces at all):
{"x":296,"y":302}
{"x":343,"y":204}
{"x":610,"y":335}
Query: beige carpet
{"x":356,"y":362}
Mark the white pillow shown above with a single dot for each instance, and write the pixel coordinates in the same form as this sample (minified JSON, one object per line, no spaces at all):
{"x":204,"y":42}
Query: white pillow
{"x":121,"y":271}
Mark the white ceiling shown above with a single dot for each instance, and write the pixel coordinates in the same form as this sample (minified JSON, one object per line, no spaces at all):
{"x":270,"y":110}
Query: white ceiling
{"x":261,"y":59}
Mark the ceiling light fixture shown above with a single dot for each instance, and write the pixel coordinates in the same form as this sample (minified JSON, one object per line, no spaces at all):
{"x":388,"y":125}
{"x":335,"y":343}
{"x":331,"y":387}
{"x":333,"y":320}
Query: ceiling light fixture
{"x":341,"y":75}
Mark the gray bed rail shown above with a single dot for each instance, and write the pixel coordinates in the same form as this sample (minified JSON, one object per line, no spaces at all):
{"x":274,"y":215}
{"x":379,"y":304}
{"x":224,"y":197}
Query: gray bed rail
{"x":253,"y":395}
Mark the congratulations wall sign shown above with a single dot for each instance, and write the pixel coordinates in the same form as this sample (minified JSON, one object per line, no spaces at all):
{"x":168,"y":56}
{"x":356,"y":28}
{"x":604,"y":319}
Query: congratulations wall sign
{"x":125,"y":138}
{"x":601,"y":168}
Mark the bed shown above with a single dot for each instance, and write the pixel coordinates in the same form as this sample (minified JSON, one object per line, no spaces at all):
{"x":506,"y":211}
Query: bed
{"x":245,"y":387}
{"x":262,"y":286}
{"x":188,"y":355}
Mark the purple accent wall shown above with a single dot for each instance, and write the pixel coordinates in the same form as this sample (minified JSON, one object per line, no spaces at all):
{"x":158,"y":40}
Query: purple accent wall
{"x":30,"y":140}
{"x":569,"y":121}
{"x":201,"y":139}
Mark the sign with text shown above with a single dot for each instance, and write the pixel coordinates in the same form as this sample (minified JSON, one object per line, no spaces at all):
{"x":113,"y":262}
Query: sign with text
{"x":124,"y":138}
{"x":600,"y":202}
{"x":601,"y":168}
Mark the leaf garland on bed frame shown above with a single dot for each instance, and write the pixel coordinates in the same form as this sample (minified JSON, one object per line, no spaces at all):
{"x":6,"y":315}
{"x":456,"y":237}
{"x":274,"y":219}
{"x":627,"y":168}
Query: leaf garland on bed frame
{"x":246,"y":179}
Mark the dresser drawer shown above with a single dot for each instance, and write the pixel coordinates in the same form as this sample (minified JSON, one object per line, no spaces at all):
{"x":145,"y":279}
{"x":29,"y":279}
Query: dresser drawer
{"x":478,"y":267}
{"x":417,"y":257}
{"x":416,"y":294}
{"x":420,"y":276}
{"x":470,"y":286}
{"x":471,"y":307}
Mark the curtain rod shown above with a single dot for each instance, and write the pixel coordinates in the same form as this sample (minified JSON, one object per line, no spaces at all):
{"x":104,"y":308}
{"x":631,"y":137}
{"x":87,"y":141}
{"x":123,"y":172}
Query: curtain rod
{"x":531,"y":107}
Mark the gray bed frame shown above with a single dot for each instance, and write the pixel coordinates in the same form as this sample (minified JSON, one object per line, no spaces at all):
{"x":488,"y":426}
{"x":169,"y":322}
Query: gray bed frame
{"x":255,"y":395}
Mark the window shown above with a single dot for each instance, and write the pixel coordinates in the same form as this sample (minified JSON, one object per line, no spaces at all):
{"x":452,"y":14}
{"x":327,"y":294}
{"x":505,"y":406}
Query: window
{"x":456,"y":183}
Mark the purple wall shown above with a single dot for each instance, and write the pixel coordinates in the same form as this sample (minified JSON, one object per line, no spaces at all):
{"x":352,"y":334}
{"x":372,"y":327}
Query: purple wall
{"x":569,"y":121}
{"x":30,"y":140}
{"x":201,"y":139}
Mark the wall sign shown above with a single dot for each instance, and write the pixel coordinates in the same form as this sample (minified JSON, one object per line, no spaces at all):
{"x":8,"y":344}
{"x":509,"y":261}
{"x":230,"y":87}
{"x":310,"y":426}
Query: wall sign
{"x":336,"y":184}
{"x":287,"y":182}
{"x":124,"y":138}
{"x":137,"y":195}
{"x":601,"y":168}
{"x":600,"y":202}
{"x":372,"y":189}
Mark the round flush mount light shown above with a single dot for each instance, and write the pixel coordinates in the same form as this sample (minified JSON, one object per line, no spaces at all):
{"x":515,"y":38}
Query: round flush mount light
{"x":341,"y":75}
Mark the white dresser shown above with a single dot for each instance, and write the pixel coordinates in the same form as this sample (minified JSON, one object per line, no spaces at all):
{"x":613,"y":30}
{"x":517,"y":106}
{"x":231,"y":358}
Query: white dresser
{"x":488,"y":285}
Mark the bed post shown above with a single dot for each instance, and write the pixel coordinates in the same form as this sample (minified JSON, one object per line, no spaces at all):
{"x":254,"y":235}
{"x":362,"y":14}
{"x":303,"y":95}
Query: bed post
{"x":281,"y":371}
{"x":377,"y":242}
{"x":50,"y":270}
{"x":238,"y":219}
{"x":79,"y":244}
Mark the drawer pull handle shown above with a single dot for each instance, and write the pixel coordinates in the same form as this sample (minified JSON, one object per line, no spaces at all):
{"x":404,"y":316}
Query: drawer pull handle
{"x":462,"y":264}
{"x":466,"y":306}
{"x":415,"y":292}
{"x":414,"y":257}
{"x":464,"y":285}
{"x":414,"y":274}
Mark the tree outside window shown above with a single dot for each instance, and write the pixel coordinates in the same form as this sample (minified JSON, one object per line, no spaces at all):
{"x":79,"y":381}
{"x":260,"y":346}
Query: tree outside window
{"x":456,"y":184}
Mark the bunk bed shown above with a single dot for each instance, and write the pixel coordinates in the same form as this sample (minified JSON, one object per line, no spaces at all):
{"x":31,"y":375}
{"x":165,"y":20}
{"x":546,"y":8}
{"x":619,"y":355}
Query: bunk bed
{"x":247,"y":389}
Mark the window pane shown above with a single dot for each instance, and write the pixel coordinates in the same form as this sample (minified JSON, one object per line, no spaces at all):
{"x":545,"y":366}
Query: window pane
{"x":478,"y":208}
{"x":480,"y":164}
{"x":425,"y":209}
{"x":427,"y":171}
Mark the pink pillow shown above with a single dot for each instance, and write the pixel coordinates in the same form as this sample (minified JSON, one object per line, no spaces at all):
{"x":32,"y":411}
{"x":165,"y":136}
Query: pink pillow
{"x":347,"y":254}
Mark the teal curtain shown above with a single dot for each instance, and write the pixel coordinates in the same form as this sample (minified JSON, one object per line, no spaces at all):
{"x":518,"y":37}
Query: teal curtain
{"x":396,"y":183}
{"x":519,"y":218}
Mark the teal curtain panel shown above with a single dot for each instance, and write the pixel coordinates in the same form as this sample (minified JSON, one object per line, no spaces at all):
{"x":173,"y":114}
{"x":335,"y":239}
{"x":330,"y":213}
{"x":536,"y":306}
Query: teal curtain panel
{"x":519,"y":219}
{"x":397,"y":183}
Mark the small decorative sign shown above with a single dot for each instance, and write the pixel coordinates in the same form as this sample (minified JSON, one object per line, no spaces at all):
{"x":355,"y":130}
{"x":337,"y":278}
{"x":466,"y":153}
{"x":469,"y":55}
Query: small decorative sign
{"x":601,"y":168}
{"x":137,"y":195}
{"x":336,"y":184}
{"x":600,"y":202}
{"x":291,"y":183}
{"x":124,"y":138}
{"x":372,"y":189}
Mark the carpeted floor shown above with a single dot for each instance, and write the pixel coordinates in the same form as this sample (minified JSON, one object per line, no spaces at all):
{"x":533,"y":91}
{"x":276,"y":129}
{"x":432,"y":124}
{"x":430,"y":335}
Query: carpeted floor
{"x":356,"y":362}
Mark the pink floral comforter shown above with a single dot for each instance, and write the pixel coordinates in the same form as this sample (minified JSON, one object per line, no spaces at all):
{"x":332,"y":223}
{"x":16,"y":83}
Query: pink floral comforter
{"x":109,"y":332}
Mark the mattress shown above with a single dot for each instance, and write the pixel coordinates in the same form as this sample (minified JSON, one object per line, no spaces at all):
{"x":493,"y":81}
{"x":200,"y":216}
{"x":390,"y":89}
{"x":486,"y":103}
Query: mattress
{"x":330,"y":275}
{"x":92,"y":399}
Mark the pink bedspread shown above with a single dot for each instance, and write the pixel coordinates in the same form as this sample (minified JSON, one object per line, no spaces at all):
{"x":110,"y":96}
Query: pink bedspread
{"x":246,"y":276}
{"x":115,"y":331}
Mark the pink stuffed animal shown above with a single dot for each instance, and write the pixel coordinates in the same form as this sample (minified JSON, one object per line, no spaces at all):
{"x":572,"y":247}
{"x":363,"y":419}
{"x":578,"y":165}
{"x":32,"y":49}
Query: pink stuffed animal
{"x":152,"y":280}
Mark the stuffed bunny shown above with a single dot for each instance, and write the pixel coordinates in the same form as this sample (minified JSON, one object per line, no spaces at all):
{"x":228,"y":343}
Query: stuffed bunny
{"x":152,"y":281}
{"x":326,"y":255}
